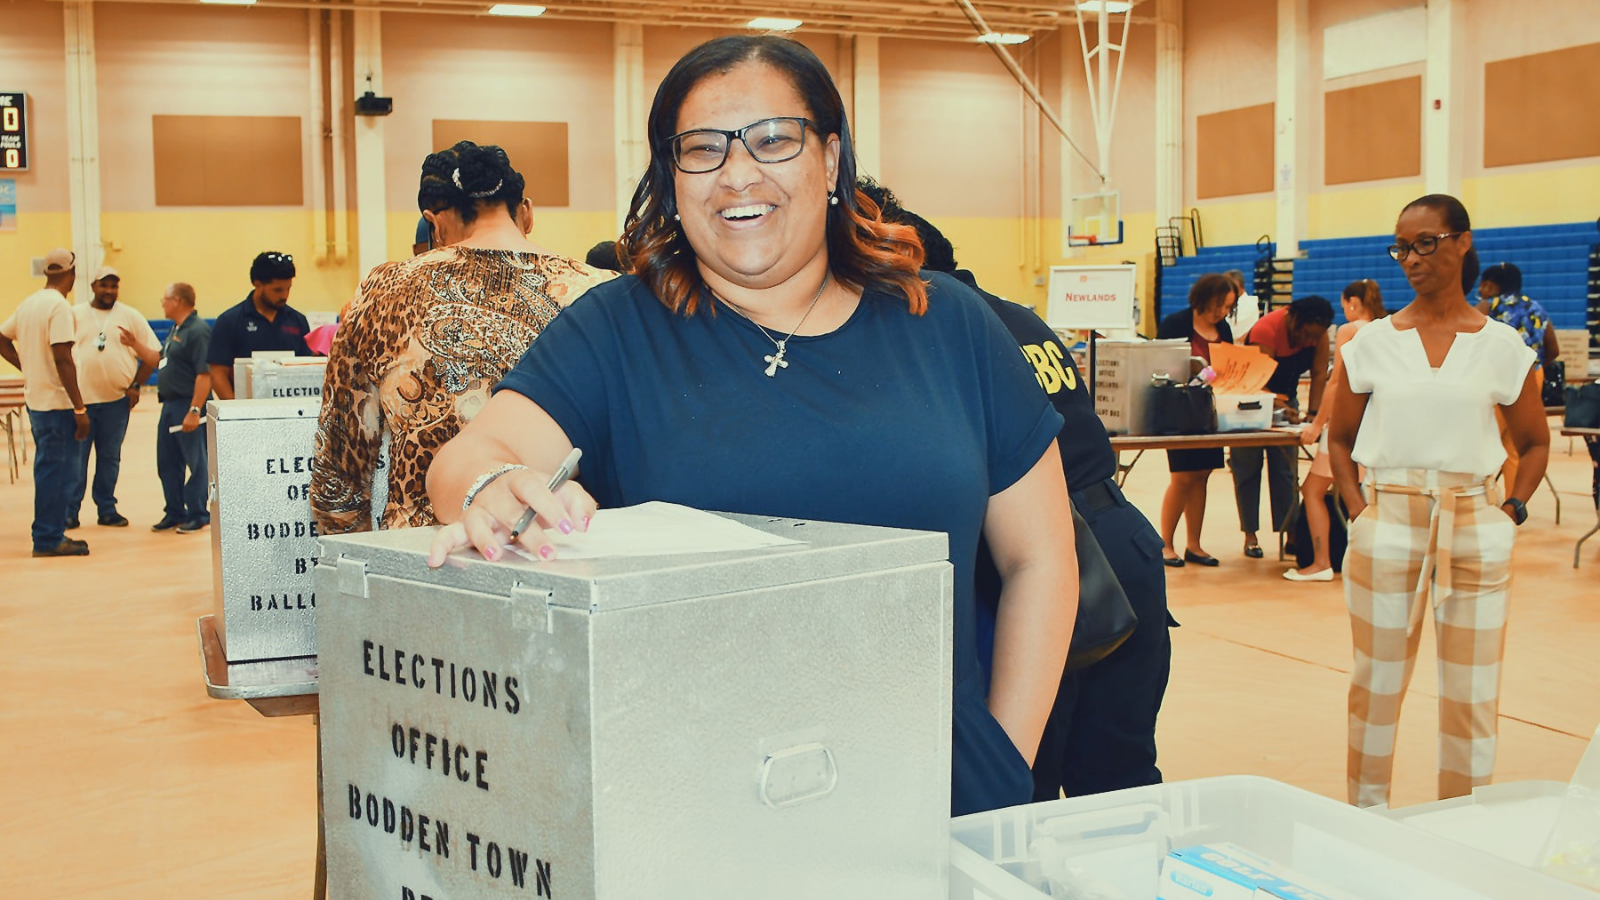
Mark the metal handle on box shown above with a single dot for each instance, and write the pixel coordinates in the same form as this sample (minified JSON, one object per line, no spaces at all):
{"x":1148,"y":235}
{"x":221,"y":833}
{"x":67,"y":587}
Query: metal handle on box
{"x":797,"y":775}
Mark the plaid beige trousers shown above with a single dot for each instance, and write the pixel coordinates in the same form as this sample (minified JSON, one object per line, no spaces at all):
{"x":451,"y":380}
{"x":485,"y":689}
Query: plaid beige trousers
{"x":1425,"y":530}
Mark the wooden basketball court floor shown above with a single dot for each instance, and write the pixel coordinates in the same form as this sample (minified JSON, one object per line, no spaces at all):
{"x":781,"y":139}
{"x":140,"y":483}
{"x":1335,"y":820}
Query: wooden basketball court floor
{"x":120,"y":778}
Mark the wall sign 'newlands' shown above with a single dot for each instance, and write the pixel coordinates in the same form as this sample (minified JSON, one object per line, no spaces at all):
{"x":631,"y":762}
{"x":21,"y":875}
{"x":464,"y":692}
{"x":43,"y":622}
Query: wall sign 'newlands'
{"x":13,"y":131}
{"x":263,"y":537}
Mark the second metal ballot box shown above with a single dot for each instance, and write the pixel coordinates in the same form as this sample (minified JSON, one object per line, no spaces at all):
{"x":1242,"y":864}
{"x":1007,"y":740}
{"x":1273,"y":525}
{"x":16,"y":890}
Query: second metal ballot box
{"x":263,"y":539}
{"x":278,"y":375}
{"x":1123,"y":376}
{"x":769,"y":723}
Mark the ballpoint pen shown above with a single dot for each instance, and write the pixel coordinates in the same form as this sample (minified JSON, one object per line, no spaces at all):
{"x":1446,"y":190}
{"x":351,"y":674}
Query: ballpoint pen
{"x":563,"y":472}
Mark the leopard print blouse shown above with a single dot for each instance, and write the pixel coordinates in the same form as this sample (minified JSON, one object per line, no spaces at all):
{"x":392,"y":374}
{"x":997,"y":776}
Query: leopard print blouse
{"x":413,"y":360}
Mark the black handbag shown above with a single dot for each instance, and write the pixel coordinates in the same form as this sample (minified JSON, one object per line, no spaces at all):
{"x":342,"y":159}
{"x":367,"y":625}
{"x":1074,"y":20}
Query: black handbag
{"x":1583,"y":406}
{"x":1555,"y":383}
{"x":1105,"y":617}
{"x":1299,"y":540}
{"x":1181,"y":409}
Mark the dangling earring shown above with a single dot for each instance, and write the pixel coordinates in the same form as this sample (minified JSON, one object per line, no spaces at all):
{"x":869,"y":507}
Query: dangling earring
{"x":832,"y":200}
{"x":676,"y":218}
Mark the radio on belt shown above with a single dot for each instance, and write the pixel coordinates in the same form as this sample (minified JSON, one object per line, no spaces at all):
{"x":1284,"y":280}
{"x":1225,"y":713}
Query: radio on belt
{"x":263,"y":539}
{"x":768,"y":723}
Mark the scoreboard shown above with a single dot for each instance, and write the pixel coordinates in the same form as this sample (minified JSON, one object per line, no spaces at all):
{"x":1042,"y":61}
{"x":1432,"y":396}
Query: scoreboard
{"x":13,"y":131}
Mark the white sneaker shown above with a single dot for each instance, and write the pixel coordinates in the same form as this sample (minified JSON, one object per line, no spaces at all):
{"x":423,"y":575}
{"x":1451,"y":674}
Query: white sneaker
{"x":1294,"y":575}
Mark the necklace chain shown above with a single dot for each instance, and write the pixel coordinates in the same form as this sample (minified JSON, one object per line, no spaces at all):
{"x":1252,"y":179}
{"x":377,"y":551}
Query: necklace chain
{"x":776,"y":361}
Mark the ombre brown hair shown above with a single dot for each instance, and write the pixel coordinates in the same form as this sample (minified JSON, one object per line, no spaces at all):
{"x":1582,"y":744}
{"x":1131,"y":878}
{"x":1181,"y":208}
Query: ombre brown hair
{"x":862,"y":251}
{"x":1371,"y":299}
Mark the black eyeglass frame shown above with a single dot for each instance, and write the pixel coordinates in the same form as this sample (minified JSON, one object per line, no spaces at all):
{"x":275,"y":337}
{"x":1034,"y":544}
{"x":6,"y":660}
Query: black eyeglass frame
{"x":672,"y":143}
{"x":1399,"y":251}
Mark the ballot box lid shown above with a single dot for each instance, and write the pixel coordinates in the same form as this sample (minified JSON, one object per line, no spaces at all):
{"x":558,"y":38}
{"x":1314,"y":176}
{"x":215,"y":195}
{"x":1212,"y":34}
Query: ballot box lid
{"x":827,"y":550}
{"x":282,"y":408}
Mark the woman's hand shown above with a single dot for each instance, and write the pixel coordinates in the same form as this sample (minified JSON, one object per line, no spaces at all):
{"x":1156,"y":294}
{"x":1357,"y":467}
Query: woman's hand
{"x":1310,"y":434}
{"x":486,"y":526}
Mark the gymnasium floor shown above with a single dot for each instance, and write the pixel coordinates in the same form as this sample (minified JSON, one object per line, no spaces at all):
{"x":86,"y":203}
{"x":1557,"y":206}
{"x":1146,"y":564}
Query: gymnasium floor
{"x":120,"y":778}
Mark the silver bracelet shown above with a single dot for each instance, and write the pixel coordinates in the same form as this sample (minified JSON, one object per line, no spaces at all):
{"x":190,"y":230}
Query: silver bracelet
{"x":484,"y":481}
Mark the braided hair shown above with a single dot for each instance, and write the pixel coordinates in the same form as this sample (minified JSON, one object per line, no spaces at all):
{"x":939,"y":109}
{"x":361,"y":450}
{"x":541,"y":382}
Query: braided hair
{"x":467,"y":177}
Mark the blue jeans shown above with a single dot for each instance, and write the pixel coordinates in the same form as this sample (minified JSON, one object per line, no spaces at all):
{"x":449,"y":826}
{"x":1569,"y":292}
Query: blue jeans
{"x":181,"y":463}
{"x":55,"y":460}
{"x":108,"y":424}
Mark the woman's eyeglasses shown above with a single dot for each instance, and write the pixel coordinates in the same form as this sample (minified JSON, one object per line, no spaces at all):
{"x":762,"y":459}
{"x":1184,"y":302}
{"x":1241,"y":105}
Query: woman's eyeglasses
{"x":769,"y":141}
{"x":1423,"y":247}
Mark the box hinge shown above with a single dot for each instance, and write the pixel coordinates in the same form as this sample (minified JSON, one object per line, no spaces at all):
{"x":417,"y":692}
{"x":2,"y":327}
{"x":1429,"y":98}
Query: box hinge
{"x":353,"y":577}
{"x":536,"y":601}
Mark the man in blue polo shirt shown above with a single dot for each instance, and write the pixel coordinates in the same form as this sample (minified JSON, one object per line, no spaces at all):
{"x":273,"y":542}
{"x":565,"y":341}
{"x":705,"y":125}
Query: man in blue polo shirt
{"x":262,"y":321}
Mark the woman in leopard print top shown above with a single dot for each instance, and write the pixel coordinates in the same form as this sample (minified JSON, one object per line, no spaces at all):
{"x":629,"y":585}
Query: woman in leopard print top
{"x":425,"y":340}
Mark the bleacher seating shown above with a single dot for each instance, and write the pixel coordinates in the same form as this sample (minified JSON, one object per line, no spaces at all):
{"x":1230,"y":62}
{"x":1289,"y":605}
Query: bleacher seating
{"x":1554,"y":260}
{"x":1180,"y":276}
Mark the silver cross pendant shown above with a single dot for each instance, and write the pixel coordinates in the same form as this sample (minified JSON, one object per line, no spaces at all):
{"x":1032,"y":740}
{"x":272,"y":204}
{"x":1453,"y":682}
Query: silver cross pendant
{"x":776,"y":361}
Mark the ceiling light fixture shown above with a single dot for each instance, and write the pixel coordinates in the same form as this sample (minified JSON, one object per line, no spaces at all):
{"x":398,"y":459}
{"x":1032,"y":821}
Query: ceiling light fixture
{"x":520,"y":10}
{"x":765,"y":23}
{"x":1002,"y":37}
{"x":1111,"y":6}
{"x":229,"y":2}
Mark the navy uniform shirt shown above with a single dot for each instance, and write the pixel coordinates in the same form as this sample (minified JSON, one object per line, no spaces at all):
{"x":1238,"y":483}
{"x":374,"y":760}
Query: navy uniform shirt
{"x":183,"y":356}
{"x":1086,"y":454}
{"x":242,"y":330}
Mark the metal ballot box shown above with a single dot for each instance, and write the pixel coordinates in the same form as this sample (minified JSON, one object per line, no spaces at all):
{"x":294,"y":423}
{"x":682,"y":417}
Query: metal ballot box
{"x":771,"y":723}
{"x":1122,"y":381}
{"x":263,"y":539}
{"x":278,"y":375}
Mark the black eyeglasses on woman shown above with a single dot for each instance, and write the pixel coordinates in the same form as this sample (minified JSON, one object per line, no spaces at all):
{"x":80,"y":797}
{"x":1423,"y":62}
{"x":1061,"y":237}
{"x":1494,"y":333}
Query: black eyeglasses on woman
{"x":769,"y":141}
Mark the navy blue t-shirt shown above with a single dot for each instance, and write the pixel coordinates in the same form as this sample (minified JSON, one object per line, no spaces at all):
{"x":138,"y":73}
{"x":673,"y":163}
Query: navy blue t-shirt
{"x":891,"y":419}
{"x":242,"y":329}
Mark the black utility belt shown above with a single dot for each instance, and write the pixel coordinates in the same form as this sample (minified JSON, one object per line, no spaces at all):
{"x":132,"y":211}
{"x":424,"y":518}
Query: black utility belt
{"x":1091,"y":498}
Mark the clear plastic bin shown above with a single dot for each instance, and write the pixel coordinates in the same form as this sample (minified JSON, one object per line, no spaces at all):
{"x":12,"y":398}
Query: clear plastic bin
{"x":1111,"y":846}
{"x":1512,"y":821}
{"x":1244,"y":412}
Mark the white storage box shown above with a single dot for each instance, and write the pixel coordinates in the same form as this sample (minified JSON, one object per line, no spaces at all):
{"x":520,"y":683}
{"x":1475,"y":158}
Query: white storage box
{"x":1116,"y":842}
{"x":769,"y":723}
{"x":1244,"y":412}
{"x":1122,"y":378}
{"x":1512,"y":821}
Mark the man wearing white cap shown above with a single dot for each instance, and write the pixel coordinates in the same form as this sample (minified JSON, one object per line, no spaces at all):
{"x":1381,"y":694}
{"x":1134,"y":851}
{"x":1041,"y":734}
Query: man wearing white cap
{"x":38,"y":340}
{"x":109,"y":374}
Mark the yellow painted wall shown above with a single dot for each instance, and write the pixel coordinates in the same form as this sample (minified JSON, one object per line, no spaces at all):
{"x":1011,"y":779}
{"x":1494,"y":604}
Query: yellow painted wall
{"x":212,"y":250}
{"x":1359,"y":211}
{"x":1533,"y":197}
{"x":1226,"y":222}
{"x":37,"y":234}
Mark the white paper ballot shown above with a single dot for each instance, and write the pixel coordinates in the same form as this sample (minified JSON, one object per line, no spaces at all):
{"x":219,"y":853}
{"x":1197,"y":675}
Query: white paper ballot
{"x":658,"y":529}
{"x":179,"y":427}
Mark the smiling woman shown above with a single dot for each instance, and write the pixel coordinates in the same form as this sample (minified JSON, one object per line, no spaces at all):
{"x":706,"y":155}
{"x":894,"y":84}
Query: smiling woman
{"x":777,"y":352}
{"x":713,"y":210}
{"x":1417,"y":408}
